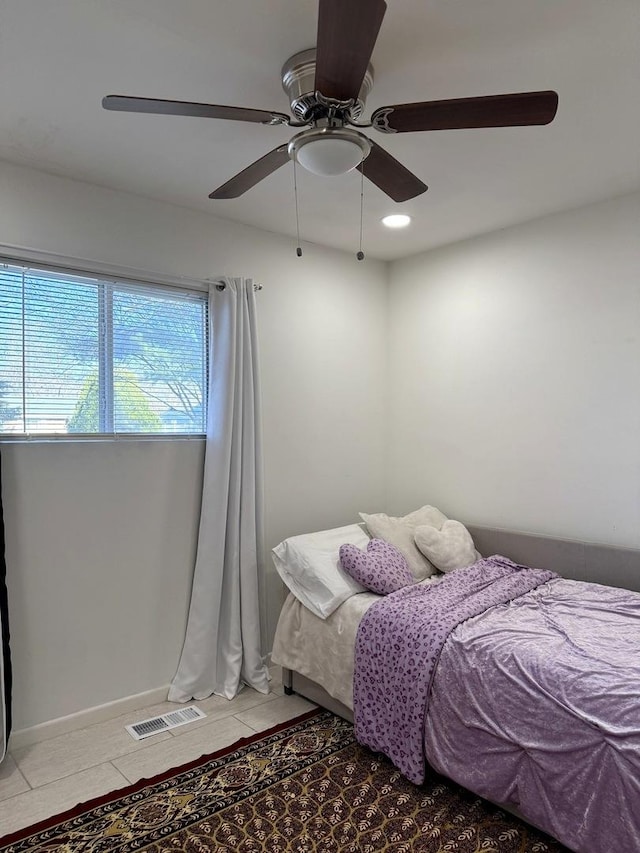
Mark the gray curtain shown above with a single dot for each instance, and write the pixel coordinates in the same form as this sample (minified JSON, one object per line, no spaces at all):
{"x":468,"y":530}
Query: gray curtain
{"x":222,"y":644}
{"x":5,"y":655}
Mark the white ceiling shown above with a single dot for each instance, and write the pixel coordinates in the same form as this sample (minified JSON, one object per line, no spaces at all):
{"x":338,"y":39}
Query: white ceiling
{"x":59,"y":57}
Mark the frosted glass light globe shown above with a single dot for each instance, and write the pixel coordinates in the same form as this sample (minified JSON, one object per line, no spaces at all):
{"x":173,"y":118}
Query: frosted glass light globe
{"x":330,"y":156}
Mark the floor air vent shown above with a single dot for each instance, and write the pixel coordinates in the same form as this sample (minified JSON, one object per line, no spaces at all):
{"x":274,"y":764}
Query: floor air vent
{"x":155,"y":725}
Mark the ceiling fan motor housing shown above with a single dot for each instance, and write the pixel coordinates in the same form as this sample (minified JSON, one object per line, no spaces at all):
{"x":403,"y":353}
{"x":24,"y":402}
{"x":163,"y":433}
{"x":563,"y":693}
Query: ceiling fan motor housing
{"x":298,"y":81}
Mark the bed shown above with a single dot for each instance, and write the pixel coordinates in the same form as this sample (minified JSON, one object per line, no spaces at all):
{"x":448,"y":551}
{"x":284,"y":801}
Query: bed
{"x":561,"y":753}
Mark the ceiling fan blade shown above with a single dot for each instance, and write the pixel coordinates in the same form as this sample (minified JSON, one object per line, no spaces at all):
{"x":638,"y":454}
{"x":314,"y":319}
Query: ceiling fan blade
{"x":125,"y":103}
{"x":526,"y":108}
{"x":347,"y":33}
{"x":390,"y":176}
{"x":253,"y":174}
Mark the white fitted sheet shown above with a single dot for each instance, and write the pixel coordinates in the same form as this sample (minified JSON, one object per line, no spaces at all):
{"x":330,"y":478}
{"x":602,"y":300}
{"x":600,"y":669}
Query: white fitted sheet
{"x":322,"y":649}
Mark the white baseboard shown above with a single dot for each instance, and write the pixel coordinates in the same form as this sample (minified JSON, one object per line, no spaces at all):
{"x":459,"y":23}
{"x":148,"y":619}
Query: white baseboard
{"x":86,"y":717}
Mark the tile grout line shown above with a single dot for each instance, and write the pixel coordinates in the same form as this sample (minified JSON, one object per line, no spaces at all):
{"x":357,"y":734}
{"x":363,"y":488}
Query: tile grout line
{"x":23,"y":776}
{"x":53,"y":782}
{"x":120,"y":773}
{"x":235,"y":717}
{"x":27,"y":782}
{"x":15,"y":797}
{"x":267,"y":697}
{"x":20,"y":793}
{"x":149,"y":742}
{"x":88,"y":767}
{"x":111,"y":762}
{"x":73,"y":802}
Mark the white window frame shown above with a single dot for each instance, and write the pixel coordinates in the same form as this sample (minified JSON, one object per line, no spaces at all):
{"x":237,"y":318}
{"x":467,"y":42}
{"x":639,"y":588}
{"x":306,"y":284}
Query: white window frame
{"x":110,"y":275}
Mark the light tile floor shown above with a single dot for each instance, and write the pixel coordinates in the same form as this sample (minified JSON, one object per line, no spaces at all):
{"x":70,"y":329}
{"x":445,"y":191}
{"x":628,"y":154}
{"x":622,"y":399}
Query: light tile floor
{"x":49,"y":777}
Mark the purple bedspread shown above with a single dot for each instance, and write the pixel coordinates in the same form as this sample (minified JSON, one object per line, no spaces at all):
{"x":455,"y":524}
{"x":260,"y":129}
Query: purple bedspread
{"x":399,"y":642}
{"x":536,"y":704}
{"x":533,"y":703}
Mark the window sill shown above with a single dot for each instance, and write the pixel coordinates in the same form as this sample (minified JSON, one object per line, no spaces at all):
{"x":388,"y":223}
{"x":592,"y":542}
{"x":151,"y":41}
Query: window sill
{"x":103,"y":437}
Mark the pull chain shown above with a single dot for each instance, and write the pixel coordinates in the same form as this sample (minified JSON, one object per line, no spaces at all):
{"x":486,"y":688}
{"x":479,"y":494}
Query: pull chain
{"x":295,"y":193}
{"x":360,"y":255}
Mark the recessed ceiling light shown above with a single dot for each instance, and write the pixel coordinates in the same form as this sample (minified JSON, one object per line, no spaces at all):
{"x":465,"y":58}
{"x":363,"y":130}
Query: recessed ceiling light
{"x":396,"y":220}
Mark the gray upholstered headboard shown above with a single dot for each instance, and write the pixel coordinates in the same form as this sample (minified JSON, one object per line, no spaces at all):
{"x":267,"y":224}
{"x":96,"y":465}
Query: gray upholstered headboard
{"x":606,"y":564}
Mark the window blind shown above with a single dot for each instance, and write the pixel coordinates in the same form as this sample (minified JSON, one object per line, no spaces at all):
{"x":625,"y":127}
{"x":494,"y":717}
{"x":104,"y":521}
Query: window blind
{"x":88,"y":356}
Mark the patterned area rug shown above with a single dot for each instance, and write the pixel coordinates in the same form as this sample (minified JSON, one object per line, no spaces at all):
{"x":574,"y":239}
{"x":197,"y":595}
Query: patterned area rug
{"x":303,"y":787}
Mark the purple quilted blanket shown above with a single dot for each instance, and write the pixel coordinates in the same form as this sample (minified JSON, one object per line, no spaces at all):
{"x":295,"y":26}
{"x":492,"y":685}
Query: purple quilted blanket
{"x":398,"y":645}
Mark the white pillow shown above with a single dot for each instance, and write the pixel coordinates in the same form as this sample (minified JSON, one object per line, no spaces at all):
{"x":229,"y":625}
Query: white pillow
{"x":310,"y":566}
{"x":449,"y":548}
{"x":400,"y":532}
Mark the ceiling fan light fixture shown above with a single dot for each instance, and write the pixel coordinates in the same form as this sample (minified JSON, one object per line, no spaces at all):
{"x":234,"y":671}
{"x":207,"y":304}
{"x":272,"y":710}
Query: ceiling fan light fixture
{"x":396,"y":220}
{"x":330,"y":156}
{"x":329,"y":151}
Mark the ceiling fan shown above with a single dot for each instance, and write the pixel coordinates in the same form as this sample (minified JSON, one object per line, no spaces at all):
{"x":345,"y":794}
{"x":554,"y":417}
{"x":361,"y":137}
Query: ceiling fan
{"x":327,"y":88}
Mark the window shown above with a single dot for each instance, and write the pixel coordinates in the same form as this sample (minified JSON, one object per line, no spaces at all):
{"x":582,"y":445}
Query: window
{"x":85,"y":356}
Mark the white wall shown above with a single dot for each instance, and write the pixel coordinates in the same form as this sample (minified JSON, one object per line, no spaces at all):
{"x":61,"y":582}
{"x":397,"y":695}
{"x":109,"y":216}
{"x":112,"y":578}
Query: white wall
{"x":515,"y":377}
{"x":101,"y":536}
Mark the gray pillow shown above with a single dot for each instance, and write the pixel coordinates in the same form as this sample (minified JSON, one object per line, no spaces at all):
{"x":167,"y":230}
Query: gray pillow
{"x":400,"y":532}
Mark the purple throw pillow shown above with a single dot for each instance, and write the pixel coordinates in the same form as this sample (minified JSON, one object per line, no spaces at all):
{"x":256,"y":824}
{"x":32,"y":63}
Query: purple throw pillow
{"x":381,"y":568}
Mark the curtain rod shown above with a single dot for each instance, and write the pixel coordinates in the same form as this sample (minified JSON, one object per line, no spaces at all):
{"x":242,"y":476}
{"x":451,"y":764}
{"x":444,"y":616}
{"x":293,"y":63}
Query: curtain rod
{"x":13,"y":253}
{"x":222,"y":286}
{"x":87,"y":266}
